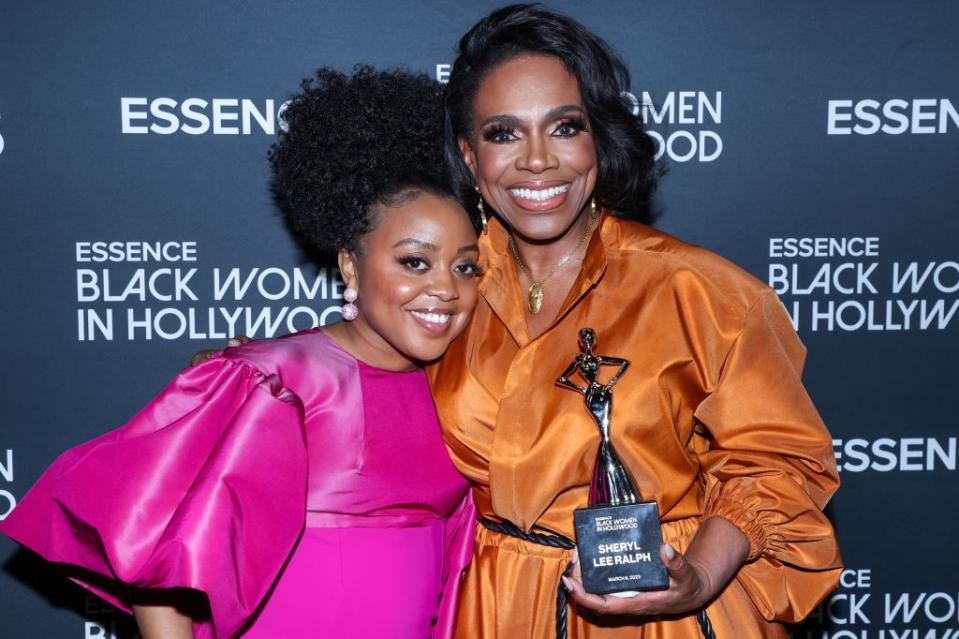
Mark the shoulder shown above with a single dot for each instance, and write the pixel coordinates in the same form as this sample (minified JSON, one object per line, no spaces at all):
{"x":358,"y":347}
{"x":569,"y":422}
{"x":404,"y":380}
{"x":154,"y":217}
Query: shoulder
{"x":684,"y":267}
{"x":294,"y":355}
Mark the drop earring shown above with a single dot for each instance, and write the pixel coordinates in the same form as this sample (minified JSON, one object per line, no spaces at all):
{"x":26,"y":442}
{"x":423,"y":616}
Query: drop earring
{"x":482,"y":210}
{"x":594,"y":209}
{"x":350,"y":310}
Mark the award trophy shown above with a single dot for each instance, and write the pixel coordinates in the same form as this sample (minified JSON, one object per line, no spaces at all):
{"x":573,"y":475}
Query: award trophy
{"x":617,"y":535}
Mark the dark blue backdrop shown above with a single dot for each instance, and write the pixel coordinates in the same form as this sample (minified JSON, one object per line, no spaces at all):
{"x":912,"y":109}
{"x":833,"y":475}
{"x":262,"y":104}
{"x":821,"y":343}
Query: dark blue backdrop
{"x":149,"y":123}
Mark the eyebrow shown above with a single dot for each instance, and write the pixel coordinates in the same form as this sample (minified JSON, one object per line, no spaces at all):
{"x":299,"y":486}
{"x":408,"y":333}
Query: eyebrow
{"x":552,"y":113}
{"x":412,"y":242}
{"x":415,"y":243}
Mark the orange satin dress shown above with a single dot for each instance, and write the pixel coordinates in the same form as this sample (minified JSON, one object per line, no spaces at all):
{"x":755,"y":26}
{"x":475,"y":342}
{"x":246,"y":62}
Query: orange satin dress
{"x":711,"y":419}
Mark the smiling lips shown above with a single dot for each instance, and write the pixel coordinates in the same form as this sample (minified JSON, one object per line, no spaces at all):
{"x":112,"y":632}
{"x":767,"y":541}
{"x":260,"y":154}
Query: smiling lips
{"x":539,"y":196}
{"x":433,"y":321}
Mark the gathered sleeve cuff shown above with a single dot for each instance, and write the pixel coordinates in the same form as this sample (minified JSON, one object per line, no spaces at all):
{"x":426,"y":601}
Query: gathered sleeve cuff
{"x":205,"y":489}
{"x":746,"y":517}
{"x":769,"y":466}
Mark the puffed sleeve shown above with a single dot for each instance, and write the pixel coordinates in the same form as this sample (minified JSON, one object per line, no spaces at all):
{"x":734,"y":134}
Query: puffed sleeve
{"x":205,"y":488}
{"x":459,"y":532}
{"x":770,"y":468}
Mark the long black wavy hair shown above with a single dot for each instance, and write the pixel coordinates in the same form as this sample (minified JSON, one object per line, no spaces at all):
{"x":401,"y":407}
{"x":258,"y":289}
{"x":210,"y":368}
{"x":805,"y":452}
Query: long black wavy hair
{"x":354,"y":142}
{"x":627,"y":172}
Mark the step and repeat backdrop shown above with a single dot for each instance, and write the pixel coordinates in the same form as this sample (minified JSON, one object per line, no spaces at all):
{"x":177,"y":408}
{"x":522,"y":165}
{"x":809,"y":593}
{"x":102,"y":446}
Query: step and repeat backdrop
{"x":813,"y":143}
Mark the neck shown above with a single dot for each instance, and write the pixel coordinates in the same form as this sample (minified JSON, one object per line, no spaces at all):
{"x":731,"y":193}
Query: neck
{"x":360,"y":340}
{"x":540,"y":257}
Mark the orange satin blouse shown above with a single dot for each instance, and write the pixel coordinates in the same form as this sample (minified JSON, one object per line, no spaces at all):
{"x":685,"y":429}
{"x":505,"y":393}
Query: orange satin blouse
{"x":711,"y":419}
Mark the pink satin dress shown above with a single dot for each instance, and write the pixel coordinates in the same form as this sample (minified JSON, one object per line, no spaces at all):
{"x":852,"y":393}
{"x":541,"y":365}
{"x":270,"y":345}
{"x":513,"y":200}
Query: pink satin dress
{"x":305,"y":493}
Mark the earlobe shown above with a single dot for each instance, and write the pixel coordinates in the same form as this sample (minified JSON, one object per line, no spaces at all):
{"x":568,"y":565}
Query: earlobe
{"x":348,"y":271}
{"x":468,"y":156}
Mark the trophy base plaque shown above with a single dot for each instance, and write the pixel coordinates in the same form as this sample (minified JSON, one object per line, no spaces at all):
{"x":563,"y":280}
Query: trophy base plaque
{"x":619,"y":548}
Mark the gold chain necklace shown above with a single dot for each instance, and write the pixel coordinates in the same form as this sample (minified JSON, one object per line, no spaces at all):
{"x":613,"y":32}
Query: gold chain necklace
{"x":535,"y":293}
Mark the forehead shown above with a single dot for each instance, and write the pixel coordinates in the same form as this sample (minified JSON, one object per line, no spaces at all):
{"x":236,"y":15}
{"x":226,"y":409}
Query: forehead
{"x":526,"y":85}
{"x":426,"y":217}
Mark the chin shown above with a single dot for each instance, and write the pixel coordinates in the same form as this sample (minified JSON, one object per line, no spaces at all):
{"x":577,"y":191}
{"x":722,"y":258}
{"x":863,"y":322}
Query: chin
{"x":427,"y":354}
{"x":543,"y":226}
{"x":423,"y":345}
{"x":423,"y":348}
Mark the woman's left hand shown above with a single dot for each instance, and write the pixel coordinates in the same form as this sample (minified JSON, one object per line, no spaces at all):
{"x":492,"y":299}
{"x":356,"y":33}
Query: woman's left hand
{"x":201,"y":356}
{"x":714,"y":556}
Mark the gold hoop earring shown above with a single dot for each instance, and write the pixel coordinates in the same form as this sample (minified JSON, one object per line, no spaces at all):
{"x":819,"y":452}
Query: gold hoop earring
{"x":482,"y":210}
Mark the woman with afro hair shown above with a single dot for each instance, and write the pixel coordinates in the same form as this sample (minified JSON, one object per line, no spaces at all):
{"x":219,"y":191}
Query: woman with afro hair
{"x":299,"y":486}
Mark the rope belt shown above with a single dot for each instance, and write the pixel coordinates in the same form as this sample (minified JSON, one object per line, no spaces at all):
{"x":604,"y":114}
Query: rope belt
{"x":559,"y":541}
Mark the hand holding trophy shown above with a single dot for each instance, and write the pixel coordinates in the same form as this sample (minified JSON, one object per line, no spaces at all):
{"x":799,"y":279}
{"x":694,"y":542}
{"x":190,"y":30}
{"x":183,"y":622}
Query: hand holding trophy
{"x":618,"y":536}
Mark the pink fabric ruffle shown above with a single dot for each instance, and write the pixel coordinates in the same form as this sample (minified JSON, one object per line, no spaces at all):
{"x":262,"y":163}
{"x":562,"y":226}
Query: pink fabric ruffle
{"x":209,"y":487}
{"x":178,"y":497}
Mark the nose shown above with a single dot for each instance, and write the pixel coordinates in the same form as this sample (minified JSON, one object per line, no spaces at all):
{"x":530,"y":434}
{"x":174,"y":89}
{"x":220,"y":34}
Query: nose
{"x":443,"y":285}
{"x":535,"y":155}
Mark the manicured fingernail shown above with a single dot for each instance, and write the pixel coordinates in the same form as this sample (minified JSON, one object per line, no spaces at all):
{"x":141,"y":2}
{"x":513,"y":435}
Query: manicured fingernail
{"x":669,"y":551}
{"x":566,"y":583}
{"x":575,"y":558}
{"x":233,"y":342}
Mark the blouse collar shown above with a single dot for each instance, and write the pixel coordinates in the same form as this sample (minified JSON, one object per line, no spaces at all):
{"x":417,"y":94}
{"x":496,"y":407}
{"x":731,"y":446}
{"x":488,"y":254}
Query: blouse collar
{"x":500,"y":285}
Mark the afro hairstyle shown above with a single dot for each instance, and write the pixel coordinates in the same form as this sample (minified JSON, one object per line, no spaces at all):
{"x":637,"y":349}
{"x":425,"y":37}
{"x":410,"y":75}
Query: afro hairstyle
{"x":354,"y":142}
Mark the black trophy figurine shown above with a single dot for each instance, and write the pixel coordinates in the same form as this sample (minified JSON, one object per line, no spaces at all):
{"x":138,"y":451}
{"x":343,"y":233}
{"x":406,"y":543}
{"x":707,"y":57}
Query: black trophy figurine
{"x":618,"y":536}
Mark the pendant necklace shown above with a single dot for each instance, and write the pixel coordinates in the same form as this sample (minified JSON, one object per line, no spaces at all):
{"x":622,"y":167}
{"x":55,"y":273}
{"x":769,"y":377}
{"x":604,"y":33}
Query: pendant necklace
{"x":535,"y":293}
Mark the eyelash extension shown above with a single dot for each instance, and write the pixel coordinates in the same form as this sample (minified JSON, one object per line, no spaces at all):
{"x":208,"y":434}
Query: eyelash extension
{"x":495,"y":130}
{"x":408,"y":260}
{"x":577,"y":123}
{"x":477,"y":269}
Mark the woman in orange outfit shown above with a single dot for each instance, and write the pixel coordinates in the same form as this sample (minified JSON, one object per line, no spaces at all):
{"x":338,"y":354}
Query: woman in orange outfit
{"x":711,"y":418}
